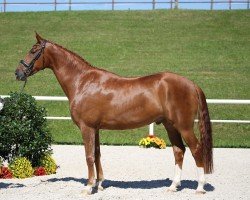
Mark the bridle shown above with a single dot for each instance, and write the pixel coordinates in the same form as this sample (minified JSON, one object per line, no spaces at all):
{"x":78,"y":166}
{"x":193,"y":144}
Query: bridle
{"x":29,"y":67}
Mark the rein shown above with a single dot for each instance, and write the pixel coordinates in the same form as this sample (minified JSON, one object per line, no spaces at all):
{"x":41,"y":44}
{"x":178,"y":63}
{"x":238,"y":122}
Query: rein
{"x":23,"y":86}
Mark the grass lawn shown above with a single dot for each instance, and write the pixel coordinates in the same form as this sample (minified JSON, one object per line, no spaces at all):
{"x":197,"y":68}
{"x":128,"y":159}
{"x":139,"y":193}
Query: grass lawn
{"x":224,"y":135}
{"x":209,"y":47}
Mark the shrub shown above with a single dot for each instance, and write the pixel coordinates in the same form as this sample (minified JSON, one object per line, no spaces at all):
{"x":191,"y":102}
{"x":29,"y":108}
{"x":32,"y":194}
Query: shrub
{"x":49,"y":164}
{"x":23,"y":129}
{"x":5,"y":173}
{"x":21,"y":168}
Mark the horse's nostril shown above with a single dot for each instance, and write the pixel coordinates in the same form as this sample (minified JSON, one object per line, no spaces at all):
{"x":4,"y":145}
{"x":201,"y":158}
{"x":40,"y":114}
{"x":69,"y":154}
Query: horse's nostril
{"x":20,"y":75}
{"x":17,"y":73}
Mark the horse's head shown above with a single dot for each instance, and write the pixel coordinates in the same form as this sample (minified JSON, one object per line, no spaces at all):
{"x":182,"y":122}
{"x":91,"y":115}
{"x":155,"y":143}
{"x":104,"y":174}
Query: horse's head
{"x":33,"y":62}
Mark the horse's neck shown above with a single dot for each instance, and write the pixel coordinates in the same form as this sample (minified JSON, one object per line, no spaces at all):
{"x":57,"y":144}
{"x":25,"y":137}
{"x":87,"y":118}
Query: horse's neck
{"x":67,"y":68}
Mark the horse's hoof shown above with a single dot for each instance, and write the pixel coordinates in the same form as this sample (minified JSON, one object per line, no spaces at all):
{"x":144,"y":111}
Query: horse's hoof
{"x":172,"y":189}
{"x":87,"y":191}
{"x":99,"y":185}
{"x":200,"y":191}
{"x":100,"y":188}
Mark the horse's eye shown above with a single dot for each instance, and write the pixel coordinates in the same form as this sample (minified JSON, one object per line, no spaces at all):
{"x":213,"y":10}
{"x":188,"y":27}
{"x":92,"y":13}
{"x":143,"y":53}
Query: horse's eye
{"x":34,"y":49}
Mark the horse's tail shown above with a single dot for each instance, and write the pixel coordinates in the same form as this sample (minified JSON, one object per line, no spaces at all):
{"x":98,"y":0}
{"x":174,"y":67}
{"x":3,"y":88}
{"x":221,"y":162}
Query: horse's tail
{"x":206,"y":132}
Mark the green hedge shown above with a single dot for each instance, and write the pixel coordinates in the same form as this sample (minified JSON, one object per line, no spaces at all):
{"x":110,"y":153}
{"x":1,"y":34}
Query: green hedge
{"x":23,"y":129}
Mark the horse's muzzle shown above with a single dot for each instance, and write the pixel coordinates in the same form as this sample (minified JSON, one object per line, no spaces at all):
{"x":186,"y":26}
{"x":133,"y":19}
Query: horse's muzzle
{"x":20,"y":75}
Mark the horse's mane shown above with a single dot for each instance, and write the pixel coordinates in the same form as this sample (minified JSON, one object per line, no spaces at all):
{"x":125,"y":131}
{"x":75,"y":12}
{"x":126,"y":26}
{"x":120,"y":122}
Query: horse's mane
{"x":80,"y":58}
{"x":72,"y":53}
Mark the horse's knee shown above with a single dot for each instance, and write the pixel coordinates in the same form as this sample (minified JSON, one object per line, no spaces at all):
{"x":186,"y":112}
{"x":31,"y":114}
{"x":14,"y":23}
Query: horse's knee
{"x":90,"y":160}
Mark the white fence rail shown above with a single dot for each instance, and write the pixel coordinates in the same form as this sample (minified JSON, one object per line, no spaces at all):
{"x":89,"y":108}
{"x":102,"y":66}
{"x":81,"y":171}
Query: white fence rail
{"x":210,"y":101}
{"x":36,"y":5}
{"x":151,"y":126}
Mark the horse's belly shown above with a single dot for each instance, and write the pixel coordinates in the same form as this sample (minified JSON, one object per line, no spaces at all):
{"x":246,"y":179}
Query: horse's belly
{"x":122,"y":126}
{"x":129,"y":120}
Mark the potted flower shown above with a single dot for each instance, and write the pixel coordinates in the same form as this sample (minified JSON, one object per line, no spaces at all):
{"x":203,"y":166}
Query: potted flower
{"x":152,"y":141}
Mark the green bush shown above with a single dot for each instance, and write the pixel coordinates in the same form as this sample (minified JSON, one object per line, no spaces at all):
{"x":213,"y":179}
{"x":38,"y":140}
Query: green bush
{"x":49,"y":164}
{"x":21,"y":168}
{"x":23,"y":129}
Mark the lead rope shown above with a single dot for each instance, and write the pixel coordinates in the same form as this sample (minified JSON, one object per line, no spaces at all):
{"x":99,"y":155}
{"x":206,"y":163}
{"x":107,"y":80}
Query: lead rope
{"x":23,"y":86}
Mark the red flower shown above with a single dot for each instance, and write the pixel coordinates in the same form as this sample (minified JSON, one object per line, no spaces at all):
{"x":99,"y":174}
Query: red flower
{"x":39,"y":171}
{"x":5,"y":173}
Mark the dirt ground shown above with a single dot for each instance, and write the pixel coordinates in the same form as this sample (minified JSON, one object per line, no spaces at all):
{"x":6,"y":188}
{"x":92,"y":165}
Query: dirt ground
{"x":134,"y":173}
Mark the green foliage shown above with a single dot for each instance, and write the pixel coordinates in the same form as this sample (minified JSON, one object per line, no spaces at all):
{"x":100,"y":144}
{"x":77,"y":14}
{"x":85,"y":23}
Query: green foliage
{"x":21,"y":167}
{"x":49,"y":164}
{"x":23,"y":129}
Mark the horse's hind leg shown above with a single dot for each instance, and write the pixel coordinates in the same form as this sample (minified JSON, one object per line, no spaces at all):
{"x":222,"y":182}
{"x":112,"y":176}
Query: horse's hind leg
{"x":179,"y":150}
{"x":196,"y":150}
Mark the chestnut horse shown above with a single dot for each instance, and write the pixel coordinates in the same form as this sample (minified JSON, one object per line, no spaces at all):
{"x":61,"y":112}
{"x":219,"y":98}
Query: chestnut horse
{"x":103,"y":100}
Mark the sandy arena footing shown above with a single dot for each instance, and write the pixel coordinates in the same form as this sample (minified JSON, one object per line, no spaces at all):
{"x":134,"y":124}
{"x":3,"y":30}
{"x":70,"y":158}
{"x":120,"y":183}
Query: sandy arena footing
{"x":134,"y":173}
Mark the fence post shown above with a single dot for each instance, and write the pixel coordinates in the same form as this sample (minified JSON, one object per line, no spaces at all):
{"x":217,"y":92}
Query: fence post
{"x":230,"y":4}
{"x":151,"y":129}
{"x":248,"y":4}
{"x":153,"y":4}
{"x":113,"y":4}
{"x":212,"y":5}
{"x":55,"y":4}
{"x":69,"y":5}
{"x":176,"y":4}
{"x":4,"y":6}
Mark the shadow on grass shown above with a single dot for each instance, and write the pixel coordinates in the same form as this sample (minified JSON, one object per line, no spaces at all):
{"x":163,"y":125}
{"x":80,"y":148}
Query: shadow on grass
{"x":144,"y":184}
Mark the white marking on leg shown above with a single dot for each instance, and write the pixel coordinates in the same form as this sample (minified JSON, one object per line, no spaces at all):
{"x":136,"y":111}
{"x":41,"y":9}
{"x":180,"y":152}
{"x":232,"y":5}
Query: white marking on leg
{"x":201,"y":180}
{"x":98,"y":185}
{"x":87,"y":190}
{"x":177,"y":179}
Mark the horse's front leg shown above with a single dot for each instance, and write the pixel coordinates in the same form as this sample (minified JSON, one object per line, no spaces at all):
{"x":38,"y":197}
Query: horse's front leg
{"x":89,"y":144}
{"x":99,"y":172}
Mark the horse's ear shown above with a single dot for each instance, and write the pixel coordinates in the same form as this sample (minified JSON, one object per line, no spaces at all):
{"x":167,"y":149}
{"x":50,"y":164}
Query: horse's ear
{"x":38,"y":38}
